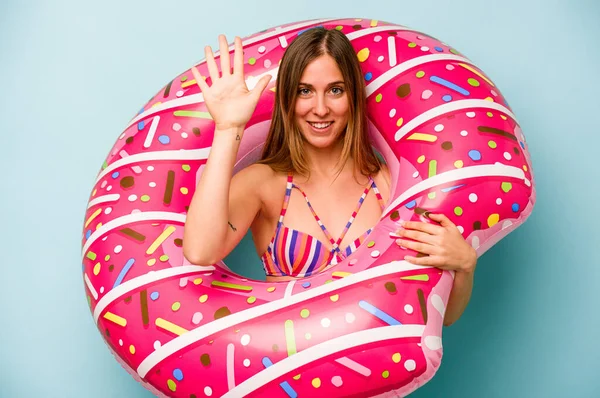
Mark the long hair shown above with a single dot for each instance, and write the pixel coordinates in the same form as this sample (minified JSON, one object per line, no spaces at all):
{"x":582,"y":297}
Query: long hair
{"x":284,"y":146}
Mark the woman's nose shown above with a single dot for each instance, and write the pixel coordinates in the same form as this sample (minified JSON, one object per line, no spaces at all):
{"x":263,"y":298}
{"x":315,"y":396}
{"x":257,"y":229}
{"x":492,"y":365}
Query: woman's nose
{"x":320,"y":107}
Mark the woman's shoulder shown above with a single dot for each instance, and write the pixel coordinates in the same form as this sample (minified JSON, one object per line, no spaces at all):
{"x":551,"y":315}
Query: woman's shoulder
{"x":258,"y":170}
{"x":260,"y":177}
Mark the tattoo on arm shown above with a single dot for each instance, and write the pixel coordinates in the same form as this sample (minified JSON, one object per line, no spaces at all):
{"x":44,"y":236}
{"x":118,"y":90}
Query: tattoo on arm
{"x":232,"y":227}
{"x":237,"y":137}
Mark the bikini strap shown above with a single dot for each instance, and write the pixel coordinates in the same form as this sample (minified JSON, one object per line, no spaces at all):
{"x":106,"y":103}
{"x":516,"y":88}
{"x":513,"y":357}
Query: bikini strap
{"x":354,"y":213}
{"x":325,"y":231}
{"x":286,"y":199}
{"x":335,"y":244}
{"x":378,"y":195}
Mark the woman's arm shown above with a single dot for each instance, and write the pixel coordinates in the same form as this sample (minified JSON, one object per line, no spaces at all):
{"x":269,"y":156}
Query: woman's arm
{"x":222,"y":208}
{"x":459,"y":296}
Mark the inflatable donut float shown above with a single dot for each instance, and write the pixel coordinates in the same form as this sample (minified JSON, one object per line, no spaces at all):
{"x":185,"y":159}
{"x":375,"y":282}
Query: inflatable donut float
{"x":368,"y":326}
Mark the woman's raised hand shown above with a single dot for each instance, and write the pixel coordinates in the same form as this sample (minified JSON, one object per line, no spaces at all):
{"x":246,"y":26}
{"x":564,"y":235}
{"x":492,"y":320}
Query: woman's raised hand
{"x":228,"y":99}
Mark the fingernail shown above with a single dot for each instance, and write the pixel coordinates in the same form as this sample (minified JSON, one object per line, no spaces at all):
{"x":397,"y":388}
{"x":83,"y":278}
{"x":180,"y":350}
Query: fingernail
{"x":394,"y":235}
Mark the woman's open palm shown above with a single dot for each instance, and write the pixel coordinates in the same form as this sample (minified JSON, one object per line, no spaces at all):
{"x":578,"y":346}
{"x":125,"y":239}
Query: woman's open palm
{"x":228,"y":99}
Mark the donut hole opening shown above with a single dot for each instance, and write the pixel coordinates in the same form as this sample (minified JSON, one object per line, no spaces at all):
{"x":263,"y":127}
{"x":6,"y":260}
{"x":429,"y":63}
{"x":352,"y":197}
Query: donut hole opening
{"x":244,"y":261}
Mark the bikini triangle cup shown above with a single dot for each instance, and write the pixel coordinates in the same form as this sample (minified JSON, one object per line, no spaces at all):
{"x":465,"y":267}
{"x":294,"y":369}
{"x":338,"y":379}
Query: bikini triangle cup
{"x":295,"y":253}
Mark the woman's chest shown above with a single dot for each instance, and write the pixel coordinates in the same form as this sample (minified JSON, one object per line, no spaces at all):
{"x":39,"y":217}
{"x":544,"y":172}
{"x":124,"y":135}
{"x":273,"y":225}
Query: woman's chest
{"x":343,"y":211}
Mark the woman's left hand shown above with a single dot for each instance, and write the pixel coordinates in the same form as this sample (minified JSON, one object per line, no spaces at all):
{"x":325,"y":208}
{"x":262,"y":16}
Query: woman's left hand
{"x":443,"y":245}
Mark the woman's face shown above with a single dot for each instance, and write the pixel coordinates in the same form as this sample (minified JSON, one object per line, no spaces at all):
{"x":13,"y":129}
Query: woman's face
{"x":322,"y":107}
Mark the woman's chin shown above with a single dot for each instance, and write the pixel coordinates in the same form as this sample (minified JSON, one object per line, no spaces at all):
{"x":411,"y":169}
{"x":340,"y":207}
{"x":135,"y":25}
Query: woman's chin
{"x":322,"y":142}
{"x":319,"y":141}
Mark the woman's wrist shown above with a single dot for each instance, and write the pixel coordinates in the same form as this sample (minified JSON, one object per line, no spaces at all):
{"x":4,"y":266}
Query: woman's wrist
{"x":228,"y":136}
{"x":471,"y":263}
{"x":224,"y":148}
{"x":229,"y":133}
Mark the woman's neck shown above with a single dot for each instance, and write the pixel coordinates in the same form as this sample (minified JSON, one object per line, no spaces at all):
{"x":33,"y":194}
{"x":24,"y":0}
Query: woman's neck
{"x":324,"y":163}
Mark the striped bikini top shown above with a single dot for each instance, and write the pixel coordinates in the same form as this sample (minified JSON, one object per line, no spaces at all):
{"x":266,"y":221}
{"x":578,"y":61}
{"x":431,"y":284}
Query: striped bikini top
{"x":295,"y":253}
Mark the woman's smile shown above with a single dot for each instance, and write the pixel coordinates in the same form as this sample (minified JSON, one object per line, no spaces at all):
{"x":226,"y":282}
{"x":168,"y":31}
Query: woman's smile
{"x":320,"y":127}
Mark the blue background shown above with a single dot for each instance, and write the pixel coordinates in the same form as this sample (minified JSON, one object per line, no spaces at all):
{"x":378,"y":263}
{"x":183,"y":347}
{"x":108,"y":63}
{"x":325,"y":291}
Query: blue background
{"x":72,"y":74}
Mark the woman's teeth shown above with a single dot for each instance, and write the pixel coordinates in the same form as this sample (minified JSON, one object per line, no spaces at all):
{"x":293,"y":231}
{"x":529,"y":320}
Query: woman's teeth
{"x":320,"y":125}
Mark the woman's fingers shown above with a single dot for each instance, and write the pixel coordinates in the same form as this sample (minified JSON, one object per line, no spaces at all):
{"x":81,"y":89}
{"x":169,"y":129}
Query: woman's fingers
{"x":442,"y":219}
{"x":260,"y":86}
{"x":211,"y":64}
{"x":417,"y":235}
{"x":417,"y":246}
{"x":238,"y":58}
{"x":224,"y":55}
{"x":199,"y":79}
{"x":422,"y":226}
{"x":430,"y":261}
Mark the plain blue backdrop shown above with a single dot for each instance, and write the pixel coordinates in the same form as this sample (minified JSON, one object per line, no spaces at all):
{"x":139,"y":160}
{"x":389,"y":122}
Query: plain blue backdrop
{"x":73,"y":73}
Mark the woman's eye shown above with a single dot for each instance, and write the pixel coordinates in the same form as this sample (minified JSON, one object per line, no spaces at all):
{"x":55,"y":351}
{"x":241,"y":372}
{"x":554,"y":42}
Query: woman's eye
{"x":337,"y":90}
{"x":304,"y":91}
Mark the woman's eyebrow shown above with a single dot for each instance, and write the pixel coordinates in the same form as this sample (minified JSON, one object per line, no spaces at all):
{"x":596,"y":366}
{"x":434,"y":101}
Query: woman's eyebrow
{"x":330,"y":84}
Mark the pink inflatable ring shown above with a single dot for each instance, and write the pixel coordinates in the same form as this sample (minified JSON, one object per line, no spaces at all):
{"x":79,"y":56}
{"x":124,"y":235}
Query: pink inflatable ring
{"x":370,"y":325}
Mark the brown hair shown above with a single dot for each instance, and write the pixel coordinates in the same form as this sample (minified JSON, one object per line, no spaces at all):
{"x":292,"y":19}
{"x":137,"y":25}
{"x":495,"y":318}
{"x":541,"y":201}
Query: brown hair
{"x":283,"y":149}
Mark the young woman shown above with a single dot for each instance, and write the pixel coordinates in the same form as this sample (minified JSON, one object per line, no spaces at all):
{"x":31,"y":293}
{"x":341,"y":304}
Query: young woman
{"x":318,"y":188}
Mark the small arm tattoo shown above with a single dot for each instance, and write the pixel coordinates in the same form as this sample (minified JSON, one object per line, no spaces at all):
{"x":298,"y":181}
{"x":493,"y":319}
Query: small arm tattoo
{"x":232,"y":227}
{"x":237,"y":137}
